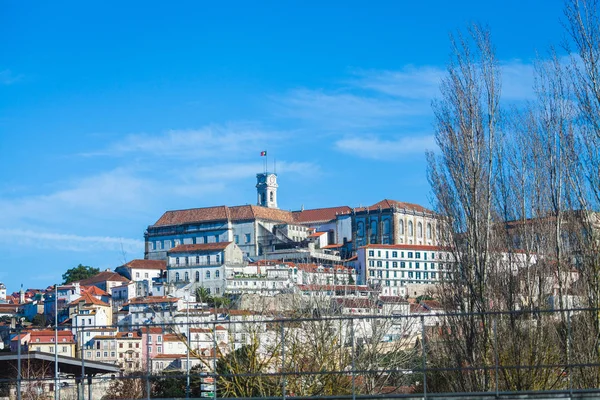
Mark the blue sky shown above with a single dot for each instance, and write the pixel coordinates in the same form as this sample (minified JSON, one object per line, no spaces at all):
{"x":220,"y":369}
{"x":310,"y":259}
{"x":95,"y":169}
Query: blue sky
{"x":113,"y":112}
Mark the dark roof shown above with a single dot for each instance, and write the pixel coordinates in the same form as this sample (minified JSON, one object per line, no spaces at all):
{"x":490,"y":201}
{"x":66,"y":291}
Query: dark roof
{"x":198,"y":248}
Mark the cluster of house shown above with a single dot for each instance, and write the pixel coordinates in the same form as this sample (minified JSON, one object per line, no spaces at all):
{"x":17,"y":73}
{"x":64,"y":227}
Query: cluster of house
{"x":138,"y":316}
{"x":337,"y":260}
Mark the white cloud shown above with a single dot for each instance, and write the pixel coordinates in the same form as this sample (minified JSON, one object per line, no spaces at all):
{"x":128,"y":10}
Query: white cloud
{"x":373,"y":147}
{"x":209,"y":141}
{"x":69,"y":242}
{"x":411,"y":82}
{"x":7,"y":77}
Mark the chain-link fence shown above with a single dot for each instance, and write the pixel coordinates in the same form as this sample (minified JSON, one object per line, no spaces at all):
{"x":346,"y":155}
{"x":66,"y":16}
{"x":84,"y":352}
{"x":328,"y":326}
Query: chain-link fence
{"x":424,"y":354}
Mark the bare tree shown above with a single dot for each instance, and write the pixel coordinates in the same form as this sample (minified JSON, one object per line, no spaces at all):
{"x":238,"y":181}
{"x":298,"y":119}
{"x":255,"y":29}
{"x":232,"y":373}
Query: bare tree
{"x":467,"y":133}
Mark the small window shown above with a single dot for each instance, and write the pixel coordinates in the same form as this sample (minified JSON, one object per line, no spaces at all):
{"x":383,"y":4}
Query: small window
{"x":207,"y":274}
{"x":371,"y":253}
{"x":247,"y":238}
{"x":217,"y":273}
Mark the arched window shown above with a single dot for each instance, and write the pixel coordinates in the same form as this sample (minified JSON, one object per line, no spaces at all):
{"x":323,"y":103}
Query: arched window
{"x":410,"y":228}
{"x":217,"y":274}
{"x":270,"y":196}
{"x":197,"y":259}
{"x":373,"y":227}
{"x":360,"y":229}
{"x":386,"y":226}
{"x":176,"y":260}
{"x":176,"y":276}
{"x":401,"y":227}
{"x":420,"y":230}
{"x":197,"y":276}
{"x":429,"y":231}
{"x":207,"y":274}
{"x":187,"y":277}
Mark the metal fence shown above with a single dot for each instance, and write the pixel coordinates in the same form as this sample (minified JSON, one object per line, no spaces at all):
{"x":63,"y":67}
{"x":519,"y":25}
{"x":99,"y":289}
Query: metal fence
{"x":423,"y":355}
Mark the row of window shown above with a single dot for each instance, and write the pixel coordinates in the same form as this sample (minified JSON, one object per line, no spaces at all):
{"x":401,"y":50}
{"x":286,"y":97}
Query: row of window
{"x":169,"y":244}
{"x":409,"y":254}
{"x":197,"y":259}
{"x":187,"y":276}
{"x":409,"y":264}
{"x":403,"y":274}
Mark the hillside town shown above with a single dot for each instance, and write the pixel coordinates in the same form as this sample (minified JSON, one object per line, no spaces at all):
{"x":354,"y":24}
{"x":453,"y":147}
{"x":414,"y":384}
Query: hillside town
{"x":212,"y":278}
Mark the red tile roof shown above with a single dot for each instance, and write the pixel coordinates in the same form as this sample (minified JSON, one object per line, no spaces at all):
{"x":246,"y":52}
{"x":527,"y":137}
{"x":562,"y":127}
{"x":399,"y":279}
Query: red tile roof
{"x":320,"y":214}
{"x":95,"y":291}
{"x":198,"y":248}
{"x":387,"y":204}
{"x":332,"y":246}
{"x":223,"y":213}
{"x":125,"y":335}
{"x":147,"y":264}
{"x":87,"y":298}
{"x":103,"y":276}
{"x":317,"y":234}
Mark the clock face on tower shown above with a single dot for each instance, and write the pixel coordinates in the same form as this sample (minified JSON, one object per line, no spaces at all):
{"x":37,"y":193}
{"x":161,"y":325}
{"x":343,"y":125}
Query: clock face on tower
{"x":271,"y":179}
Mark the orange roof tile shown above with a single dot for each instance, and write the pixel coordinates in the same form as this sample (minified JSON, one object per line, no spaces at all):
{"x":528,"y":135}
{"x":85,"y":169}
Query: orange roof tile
{"x":87,"y":298}
{"x":147,"y":264}
{"x":223,"y":213}
{"x":95,"y":291}
{"x":103,"y":276}
{"x":188,"y":248}
{"x":387,"y":204}
{"x":320,"y":214}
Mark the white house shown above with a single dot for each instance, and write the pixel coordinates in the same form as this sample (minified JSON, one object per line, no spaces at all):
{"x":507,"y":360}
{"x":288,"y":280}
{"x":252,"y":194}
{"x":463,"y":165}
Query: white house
{"x":202,"y":265}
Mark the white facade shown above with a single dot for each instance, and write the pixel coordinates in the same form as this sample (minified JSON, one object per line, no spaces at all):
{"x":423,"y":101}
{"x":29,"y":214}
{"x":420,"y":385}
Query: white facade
{"x":393,"y":267}
{"x":266,"y":190}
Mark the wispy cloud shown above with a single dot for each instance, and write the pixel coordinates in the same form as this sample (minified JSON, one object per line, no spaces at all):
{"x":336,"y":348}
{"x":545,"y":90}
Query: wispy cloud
{"x":208,"y":141}
{"x":7,"y":77}
{"x":373,"y":147}
{"x":69,"y":242}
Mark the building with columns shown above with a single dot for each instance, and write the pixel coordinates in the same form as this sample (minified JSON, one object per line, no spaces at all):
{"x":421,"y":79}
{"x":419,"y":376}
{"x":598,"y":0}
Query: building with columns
{"x":263,"y":230}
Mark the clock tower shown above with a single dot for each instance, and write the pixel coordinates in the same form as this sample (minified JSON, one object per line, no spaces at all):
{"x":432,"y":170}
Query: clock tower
{"x":266,"y":189}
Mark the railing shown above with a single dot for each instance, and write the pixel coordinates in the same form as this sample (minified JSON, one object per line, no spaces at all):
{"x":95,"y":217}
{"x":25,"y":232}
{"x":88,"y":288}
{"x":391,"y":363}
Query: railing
{"x":423,"y":355}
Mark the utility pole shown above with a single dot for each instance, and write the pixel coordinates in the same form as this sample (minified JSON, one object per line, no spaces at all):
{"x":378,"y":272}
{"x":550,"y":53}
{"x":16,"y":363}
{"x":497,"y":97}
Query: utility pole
{"x":56,"y":390}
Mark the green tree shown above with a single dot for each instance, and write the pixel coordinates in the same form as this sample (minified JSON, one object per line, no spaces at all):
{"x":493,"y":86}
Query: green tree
{"x":78,"y":273}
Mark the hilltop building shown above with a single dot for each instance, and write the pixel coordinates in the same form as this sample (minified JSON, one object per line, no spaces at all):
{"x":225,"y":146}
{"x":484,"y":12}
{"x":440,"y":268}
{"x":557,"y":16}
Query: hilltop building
{"x":325,"y":235}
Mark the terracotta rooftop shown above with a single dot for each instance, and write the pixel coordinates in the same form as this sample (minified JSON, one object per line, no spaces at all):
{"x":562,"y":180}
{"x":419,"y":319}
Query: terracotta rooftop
{"x":223,"y":213}
{"x":387,"y":204}
{"x":198,"y":248}
{"x":125,"y":335}
{"x":95,"y":291}
{"x":317,"y":234}
{"x":103,"y":276}
{"x":147,"y":264}
{"x":320,"y":214}
{"x":87,"y":298}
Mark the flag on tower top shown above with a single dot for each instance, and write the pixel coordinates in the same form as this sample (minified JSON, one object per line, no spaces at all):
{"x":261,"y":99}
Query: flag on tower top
{"x":263,"y":153}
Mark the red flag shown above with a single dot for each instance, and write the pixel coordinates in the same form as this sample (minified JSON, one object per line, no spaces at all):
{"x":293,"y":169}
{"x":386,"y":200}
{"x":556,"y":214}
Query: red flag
{"x":263,"y":153}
